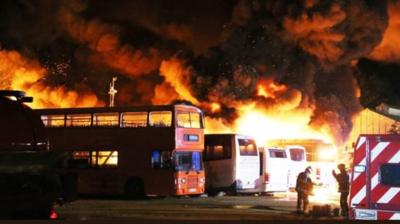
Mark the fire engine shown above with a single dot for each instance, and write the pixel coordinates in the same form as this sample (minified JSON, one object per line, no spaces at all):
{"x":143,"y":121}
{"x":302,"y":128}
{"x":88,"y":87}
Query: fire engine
{"x":375,"y":180}
{"x":32,"y":179}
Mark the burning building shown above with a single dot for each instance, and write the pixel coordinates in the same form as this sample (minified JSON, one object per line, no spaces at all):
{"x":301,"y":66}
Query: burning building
{"x":268,"y":68}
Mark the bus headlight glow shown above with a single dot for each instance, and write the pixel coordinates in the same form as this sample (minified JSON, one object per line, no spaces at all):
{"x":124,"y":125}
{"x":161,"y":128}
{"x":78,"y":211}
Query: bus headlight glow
{"x":181,"y":180}
{"x":202,"y":180}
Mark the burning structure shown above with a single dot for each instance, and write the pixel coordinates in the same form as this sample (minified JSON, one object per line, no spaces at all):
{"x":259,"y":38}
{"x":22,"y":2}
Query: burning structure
{"x":269,"y":68}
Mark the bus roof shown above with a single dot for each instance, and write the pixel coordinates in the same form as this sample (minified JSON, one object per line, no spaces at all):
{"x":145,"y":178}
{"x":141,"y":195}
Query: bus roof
{"x":231,"y":134}
{"x":117,"y":109}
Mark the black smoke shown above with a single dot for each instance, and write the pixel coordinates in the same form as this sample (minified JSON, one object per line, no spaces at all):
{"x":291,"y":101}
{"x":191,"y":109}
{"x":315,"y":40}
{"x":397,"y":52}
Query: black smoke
{"x":311,"y":46}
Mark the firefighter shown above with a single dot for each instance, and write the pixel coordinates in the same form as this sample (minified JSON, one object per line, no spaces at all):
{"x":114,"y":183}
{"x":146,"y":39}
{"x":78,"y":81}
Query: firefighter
{"x":304,"y":186}
{"x":343,"y":181}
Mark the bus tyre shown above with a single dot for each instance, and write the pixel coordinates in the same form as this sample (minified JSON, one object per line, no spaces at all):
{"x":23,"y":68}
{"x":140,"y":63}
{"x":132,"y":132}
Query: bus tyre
{"x":134,"y":188}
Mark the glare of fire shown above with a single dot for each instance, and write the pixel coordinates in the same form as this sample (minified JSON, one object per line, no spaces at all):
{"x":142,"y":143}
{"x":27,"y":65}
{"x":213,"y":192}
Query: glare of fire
{"x":283,"y":122}
{"x":325,"y":195}
{"x":20,"y":73}
{"x":215,"y":107}
{"x":269,"y":89}
{"x":177,"y":76}
{"x":268,"y":125}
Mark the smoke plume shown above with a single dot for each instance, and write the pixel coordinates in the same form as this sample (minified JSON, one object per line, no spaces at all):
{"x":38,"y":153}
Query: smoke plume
{"x":284,"y":58}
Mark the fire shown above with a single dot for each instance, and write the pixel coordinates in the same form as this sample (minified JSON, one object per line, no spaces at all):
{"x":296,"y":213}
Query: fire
{"x":21,"y":73}
{"x":285,"y":119}
{"x":269,"y":89}
{"x":176,"y":77}
{"x":215,"y":107}
{"x":389,"y":48}
{"x":268,"y":125}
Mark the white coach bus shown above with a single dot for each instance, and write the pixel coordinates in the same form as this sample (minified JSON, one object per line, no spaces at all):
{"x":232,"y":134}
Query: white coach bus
{"x":231,"y":162}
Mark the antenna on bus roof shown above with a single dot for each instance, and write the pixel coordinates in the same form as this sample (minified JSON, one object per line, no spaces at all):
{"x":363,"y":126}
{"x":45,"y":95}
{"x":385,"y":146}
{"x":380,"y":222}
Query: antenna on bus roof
{"x":112,"y":91}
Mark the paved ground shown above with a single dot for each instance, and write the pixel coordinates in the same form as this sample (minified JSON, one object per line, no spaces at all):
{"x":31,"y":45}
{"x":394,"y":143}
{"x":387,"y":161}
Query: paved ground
{"x":220,"y":209}
{"x":201,"y":209}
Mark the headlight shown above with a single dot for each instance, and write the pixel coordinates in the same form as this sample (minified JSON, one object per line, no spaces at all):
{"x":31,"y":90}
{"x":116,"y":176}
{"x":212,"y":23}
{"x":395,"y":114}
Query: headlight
{"x":202,"y":180}
{"x":182,"y":180}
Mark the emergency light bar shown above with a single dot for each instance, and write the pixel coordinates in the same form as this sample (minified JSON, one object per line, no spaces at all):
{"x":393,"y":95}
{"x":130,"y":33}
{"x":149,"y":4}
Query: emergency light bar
{"x":18,"y":95}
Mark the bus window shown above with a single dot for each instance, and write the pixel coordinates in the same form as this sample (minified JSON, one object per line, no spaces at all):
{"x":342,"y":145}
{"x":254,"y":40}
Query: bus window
{"x":105,"y":158}
{"x":185,"y":161}
{"x":296,"y":154}
{"x":217,"y":148}
{"x":155,"y":159}
{"x":247,"y":147}
{"x":166,"y":160}
{"x":134,"y":119}
{"x":80,"y":159}
{"x":189,"y":120}
{"x":105,"y":119}
{"x":53,"y":120}
{"x":160,"y":118}
{"x":161,"y":160}
{"x":277,"y":153}
{"x":217,"y":152}
{"x":78,"y":120}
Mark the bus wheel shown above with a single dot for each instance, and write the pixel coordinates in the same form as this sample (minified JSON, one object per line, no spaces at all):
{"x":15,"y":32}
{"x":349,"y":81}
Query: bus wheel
{"x":134,"y":188}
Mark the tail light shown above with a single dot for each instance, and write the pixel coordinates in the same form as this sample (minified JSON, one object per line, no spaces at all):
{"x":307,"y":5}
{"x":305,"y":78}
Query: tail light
{"x":53,"y":214}
{"x":318,"y":173}
{"x":266,"y":177}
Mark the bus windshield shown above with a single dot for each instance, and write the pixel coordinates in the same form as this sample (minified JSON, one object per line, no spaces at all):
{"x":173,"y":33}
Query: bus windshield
{"x":297,"y":154}
{"x":187,"y":119}
{"x":187,"y":161}
{"x":248,"y":147}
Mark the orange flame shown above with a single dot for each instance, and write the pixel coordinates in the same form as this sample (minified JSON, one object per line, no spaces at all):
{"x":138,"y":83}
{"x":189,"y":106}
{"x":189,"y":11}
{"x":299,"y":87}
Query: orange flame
{"x":269,"y":89}
{"x":20,"y":73}
{"x":176,"y":77}
{"x":286,"y":118}
{"x":267,"y":125}
{"x":389,"y":48}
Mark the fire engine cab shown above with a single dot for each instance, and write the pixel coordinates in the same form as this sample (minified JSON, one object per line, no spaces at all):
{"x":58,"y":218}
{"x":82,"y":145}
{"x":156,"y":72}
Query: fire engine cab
{"x":375,"y":180}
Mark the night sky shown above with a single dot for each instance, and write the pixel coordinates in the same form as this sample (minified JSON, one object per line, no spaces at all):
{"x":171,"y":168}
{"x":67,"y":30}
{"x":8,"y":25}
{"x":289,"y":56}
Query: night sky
{"x":323,"y":52}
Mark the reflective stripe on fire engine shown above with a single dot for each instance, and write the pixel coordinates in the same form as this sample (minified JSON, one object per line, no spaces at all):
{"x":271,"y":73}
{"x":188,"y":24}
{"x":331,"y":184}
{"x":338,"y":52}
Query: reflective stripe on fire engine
{"x":378,"y":149}
{"x":374,"y":182}
{"x":395,"y":216}
{"x":359,"y":196}
{"x":360,"y":142}
{"x":393,"y":191}
{"x":389,"y":195}
{"x":375,"y":153}
{"x":395,"y":158}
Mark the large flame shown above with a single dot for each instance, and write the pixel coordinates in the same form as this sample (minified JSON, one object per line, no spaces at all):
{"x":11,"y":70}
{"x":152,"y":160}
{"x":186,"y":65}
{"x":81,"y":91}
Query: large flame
{"x":20,"y":73}
{"x":269,"y":125}
{"x":285,"y":119}
{"x":266,"y":126}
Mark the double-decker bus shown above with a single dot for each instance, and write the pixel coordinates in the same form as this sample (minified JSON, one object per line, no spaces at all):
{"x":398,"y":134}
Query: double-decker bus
{"x":136,"y":151}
